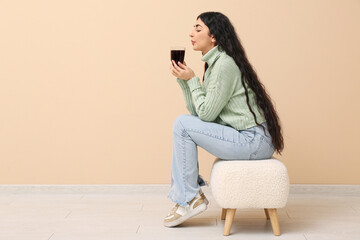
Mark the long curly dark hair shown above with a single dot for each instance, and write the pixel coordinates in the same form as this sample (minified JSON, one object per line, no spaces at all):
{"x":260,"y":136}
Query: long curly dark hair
{"x":226,"y":38}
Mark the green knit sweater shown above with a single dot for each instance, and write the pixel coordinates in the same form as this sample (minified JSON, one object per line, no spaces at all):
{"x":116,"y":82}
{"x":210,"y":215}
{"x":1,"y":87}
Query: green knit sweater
{"x":221,"y":99}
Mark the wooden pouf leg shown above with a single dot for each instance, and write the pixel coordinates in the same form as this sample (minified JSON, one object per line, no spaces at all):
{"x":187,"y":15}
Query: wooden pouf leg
{"x":266,"y":213}
{"x":274,"y":221}
{"x":223,"y":214}
{"x":230,"y":213}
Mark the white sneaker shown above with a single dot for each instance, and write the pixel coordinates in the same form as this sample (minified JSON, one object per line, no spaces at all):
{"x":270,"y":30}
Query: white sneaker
{"x":180,"y":214}
{"x":203,"y":197}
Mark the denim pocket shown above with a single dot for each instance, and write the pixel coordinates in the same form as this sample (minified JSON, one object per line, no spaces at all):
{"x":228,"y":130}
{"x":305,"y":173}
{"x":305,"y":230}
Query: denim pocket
{"x":249,"y":136}
{"x":265,"y":150}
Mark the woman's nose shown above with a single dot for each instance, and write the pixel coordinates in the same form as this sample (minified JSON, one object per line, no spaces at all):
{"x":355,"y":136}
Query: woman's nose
{"x":191,"y":34}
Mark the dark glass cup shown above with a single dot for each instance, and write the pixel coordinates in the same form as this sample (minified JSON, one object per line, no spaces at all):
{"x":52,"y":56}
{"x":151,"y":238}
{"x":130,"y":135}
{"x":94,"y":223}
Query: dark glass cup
{"x":177,"y":54}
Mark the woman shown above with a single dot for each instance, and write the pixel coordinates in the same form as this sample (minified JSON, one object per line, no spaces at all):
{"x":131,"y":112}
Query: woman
{"x":232,"y":116}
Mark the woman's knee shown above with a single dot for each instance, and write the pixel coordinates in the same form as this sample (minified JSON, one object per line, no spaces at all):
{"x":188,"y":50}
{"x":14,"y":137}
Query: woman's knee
{"x":181,"y":122}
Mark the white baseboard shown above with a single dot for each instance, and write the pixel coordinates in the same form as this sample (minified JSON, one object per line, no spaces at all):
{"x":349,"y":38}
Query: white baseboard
{"x":153,"y":188}
{"x":325,"y":189}
{"x":83,"y":188}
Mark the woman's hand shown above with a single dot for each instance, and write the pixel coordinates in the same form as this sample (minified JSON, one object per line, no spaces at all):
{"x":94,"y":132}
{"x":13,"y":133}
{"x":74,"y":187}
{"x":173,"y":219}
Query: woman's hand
{"x":181,"y":71}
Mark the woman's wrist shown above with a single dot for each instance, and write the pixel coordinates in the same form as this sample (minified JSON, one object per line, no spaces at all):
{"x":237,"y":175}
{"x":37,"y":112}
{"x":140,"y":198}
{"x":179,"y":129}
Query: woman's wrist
{"x":191,"y":76}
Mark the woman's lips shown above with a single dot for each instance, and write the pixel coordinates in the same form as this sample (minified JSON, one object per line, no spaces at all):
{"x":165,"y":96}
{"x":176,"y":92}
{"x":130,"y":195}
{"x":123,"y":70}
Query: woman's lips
{"x":192,"y":42}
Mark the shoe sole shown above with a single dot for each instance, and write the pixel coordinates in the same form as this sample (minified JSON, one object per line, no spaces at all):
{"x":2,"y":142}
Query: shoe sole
{"x":201,"y":208}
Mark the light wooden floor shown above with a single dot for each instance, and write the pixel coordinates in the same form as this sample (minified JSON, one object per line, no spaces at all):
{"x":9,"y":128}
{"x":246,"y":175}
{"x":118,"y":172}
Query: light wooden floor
{"x":137,"y":214}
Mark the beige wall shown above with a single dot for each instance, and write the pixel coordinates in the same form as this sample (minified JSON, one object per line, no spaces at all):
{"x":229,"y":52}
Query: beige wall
{"x":86,"y":96}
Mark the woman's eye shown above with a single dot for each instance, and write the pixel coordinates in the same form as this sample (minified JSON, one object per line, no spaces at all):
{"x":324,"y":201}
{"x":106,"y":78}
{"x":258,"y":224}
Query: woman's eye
{"x":198,"y":30}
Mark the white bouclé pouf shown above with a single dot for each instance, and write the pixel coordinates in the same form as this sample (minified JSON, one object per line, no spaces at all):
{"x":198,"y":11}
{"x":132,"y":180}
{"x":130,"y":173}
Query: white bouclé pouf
{"x":250,"y":184}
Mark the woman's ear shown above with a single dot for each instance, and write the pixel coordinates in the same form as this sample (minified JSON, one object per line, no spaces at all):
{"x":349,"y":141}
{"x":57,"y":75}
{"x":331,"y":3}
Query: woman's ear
{"x":213,"y":39}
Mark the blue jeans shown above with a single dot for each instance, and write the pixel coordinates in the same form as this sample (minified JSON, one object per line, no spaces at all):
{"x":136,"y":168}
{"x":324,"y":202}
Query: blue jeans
{"x":221,"y":141}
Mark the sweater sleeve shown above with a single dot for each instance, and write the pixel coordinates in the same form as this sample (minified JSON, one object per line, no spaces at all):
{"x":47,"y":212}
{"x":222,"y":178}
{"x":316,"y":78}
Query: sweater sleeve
{"x":218,"y":92}
{"x":187,"y":95}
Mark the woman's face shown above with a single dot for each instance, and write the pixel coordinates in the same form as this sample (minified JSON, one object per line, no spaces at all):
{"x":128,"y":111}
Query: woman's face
{"x":200,"y":38}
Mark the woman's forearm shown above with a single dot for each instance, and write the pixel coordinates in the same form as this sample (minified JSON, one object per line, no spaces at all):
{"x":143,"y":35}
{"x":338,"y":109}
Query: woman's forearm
{"x":187,"y":96}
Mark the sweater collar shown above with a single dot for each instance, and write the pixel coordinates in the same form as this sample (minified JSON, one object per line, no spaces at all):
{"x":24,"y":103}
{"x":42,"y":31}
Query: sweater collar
{"x":212,"y":55}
